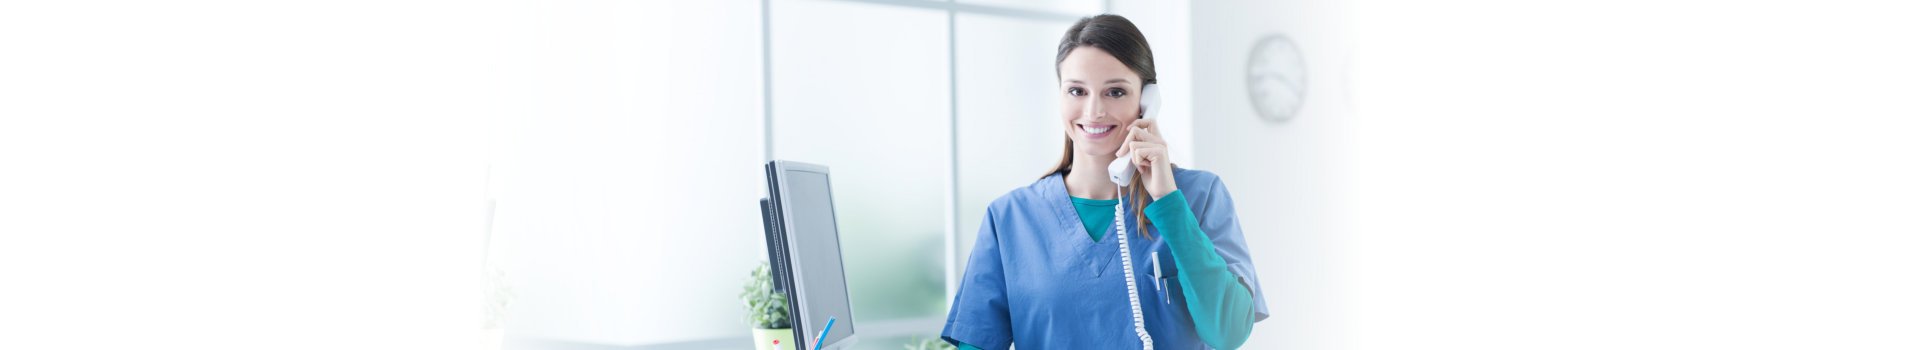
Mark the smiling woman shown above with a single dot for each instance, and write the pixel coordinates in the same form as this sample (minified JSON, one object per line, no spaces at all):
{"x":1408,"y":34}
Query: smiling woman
{"x":1038,"y":277}
{"x":1115,"y":49}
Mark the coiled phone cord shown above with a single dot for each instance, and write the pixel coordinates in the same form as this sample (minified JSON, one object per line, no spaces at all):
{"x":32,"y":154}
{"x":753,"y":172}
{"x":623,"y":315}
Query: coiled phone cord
{"x":1126,"y":264}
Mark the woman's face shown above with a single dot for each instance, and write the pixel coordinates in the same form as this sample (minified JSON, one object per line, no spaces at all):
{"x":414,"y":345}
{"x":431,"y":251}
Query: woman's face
{"x":1099,"y":98}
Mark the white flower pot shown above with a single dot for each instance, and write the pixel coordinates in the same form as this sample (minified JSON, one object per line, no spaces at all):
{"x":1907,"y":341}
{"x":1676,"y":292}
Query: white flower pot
{"x":763,"y":338}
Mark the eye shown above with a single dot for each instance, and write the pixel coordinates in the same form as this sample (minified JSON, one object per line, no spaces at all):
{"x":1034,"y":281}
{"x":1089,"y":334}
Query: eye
{"x":1076,"y":91}
{"x":1116,"y":92}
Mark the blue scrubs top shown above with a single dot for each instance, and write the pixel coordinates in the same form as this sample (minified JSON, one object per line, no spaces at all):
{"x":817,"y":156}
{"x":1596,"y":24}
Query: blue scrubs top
{"x":1036,"y":278}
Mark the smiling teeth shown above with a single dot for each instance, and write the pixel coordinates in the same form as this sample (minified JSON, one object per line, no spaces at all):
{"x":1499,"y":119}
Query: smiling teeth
{"x":1091,"y":130}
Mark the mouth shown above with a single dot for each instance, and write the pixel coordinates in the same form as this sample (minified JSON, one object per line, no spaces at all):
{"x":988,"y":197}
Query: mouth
{"x":1094,"y":131}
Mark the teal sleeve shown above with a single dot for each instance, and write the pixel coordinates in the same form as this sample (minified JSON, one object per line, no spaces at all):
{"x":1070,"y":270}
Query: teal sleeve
{"x":965,"y":346}
{"x":1222,"y":307}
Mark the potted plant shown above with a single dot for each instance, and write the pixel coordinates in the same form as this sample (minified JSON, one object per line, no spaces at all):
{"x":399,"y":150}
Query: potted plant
{"x":766,"y":311}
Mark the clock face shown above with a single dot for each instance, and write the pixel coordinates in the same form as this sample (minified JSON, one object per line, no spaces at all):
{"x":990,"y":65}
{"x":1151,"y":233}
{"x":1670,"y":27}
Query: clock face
{"x":1276,"y":78}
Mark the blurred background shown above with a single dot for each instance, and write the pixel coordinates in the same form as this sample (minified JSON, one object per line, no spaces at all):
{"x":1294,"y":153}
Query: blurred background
{"x":583,"y":174}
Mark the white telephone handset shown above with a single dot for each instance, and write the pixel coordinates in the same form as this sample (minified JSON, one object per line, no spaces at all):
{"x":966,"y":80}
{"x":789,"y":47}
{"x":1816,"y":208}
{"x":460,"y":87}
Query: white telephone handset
{"x":1121,"y":172}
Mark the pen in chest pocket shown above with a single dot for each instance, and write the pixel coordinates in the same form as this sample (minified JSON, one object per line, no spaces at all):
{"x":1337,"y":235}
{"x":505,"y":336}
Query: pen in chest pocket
{"x":1158,"y":279}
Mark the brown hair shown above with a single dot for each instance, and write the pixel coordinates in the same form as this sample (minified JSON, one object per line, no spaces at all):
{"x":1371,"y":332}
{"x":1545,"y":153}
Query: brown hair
{"x":1120,"y":38}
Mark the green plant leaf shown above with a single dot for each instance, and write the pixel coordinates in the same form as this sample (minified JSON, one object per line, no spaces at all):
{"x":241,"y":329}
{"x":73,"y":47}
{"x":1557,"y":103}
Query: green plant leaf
{"x":765,"y":308}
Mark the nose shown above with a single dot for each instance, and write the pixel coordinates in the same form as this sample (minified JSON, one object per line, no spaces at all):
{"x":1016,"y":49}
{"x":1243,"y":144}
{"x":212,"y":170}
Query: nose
{"x":1094,"y":108}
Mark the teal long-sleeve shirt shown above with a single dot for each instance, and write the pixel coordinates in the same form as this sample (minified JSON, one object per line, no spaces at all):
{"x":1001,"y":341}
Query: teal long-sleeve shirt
{"x":1221,"y":306}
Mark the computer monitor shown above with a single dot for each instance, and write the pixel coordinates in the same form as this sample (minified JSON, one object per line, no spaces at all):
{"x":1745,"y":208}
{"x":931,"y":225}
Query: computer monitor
{"x":803,"y":245}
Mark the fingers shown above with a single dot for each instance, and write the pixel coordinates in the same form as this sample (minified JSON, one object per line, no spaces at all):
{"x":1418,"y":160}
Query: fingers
{"x":1147,"y":154}
{"x":1142,"y":131}
{"x":1145,"y":135}
{"x":1148,"y":134}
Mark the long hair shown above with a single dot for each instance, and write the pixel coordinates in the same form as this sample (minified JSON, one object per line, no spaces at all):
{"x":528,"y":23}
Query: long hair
{"x":1120,"y":38}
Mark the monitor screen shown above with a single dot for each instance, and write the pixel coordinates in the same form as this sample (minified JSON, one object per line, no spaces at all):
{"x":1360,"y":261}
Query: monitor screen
{"x":814,"y":249}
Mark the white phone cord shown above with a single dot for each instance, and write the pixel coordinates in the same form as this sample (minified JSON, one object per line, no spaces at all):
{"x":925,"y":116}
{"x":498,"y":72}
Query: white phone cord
{"x":1126,"y":263}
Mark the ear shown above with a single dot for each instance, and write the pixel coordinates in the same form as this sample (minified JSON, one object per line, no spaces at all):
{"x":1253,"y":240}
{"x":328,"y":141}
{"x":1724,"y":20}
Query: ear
{"x":1149,"y":101}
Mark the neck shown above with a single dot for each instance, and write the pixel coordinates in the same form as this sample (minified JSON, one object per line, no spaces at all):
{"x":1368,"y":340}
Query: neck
{"x":1088,"y":179}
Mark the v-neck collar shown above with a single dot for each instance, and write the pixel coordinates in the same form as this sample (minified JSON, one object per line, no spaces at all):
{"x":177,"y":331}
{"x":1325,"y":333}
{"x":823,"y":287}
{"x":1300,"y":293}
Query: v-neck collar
{"x":1094,"y":255}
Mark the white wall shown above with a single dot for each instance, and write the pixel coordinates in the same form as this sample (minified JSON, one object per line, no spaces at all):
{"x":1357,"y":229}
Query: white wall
{"x":1286,"y":178}
{"x":244,"y":175}
{"x":1519,"y":174}
{"x":1637,"y":174}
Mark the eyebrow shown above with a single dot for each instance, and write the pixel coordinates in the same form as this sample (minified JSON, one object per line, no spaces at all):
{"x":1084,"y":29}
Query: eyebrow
{"x":1109,"y":81}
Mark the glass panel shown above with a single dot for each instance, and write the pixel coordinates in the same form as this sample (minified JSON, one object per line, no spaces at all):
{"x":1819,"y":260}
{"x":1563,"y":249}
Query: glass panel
{"x":1010,"y":131}
{"x":1076,"y":7}
{"x":864,"y":90}
{"x":634,"y":150}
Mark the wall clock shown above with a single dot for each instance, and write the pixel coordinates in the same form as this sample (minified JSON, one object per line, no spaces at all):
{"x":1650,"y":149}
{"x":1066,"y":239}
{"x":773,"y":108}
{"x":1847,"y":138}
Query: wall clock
{"x":1276,"y":78}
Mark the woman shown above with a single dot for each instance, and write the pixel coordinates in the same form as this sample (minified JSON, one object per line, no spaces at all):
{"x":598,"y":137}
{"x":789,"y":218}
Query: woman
{"x":1044,"y":272}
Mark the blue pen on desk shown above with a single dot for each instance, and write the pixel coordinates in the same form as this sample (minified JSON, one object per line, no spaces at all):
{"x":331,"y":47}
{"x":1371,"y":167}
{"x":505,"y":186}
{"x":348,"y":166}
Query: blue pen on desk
{"x":823,"y":334}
